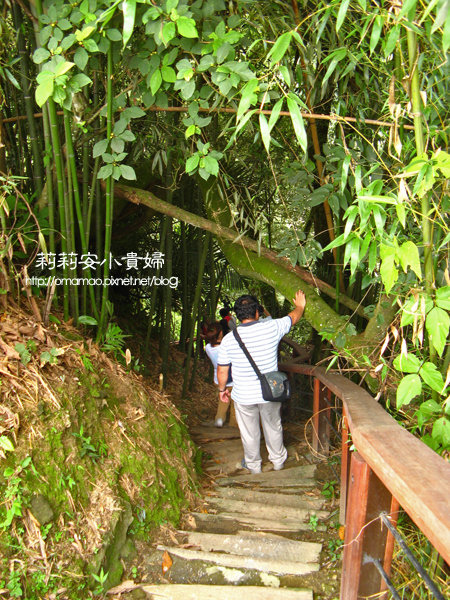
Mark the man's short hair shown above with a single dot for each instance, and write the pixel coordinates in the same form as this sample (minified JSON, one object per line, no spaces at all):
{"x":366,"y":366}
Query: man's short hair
{"x":246,"y":306}
{"x":223,"y":312}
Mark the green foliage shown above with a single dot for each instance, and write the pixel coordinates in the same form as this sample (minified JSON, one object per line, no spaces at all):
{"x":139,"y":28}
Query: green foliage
{"x":101,"y":580}
{"x":313,"y":522}
{"x":329,"y":489}
{"x":88,"y":448}
{"x":13,"y":494}
{"x":114,"y":339}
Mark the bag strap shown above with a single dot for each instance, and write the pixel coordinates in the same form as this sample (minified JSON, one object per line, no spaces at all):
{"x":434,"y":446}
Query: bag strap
{"x":247,"y":353}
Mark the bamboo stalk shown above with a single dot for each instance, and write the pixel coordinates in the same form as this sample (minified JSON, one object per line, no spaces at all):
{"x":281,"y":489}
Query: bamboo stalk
{"x":184,"y":289}
{"x":109,"y":198}
{"x":167,"y":301}
{"x":76,"y":195}
{"x":71,"y":244}
{"x":195,"y":305}
{"x":56,"y":145}
{"x":26,"y":87}
{"x":154,"y":293}
{"x":427,"y":232}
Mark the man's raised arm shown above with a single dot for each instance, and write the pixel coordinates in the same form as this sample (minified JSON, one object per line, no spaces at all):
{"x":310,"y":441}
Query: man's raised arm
{"x":299,"y":302}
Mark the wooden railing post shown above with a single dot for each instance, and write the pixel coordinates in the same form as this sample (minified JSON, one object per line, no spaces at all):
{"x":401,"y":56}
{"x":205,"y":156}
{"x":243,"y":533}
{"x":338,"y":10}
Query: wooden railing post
{"x":389,"y":550}
{"x":365,"y":538}
{"x":321,"y":425}
{"x":345,"y":467}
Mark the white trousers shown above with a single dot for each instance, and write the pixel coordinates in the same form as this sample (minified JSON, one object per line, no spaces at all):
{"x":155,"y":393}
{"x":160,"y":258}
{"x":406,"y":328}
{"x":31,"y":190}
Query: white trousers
{"x":248,"y":418}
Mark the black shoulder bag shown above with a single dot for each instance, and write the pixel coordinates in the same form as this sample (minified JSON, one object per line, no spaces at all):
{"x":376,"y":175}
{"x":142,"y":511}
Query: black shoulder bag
{"x":275,"y":385}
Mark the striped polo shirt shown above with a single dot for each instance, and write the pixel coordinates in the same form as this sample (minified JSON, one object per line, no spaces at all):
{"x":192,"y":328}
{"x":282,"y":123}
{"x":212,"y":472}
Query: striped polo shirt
{"x":261,"y":339}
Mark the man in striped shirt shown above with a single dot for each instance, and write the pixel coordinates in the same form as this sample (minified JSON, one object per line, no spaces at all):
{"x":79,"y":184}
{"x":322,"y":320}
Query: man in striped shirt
{"x":261,"y":339}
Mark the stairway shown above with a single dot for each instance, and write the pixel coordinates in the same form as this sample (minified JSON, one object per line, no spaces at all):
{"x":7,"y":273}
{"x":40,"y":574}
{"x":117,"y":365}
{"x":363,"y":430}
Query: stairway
{"x":250,"y":540}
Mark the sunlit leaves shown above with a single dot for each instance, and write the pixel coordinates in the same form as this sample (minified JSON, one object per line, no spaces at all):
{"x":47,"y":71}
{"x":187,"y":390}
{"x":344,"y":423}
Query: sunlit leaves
{"x":297,"y":122}
{"x":280,"y":48}
{"x":265,"y":131}
{"x":409,"y":387}
{"x":155,"y":81}
{"x":81,"y":58}
{"x":186,"y":27}
{"x":248,"y":97}
{"x":376,"y":33}
{"x":127,"y":172}
{"x":343,"y":7}
{"x":40,"y":55}
{"x":437,"y":325}
{"x":443,"y":298}
{"x":129,"y":15}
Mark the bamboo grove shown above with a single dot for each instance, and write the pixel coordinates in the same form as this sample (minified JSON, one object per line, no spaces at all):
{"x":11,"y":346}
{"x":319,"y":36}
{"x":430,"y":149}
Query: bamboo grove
{"x":288,"y":144}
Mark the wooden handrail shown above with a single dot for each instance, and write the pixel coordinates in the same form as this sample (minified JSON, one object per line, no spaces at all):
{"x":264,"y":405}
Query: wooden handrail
{"x":414,"y":474}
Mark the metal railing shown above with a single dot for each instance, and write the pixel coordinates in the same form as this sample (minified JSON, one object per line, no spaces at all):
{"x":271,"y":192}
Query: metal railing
{"x":388,"y":469}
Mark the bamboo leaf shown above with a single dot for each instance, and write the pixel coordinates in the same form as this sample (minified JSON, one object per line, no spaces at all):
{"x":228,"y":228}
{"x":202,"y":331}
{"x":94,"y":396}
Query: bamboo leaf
{"x":284,"y":72}
{"x":407,"y":7}
{"x":87,"y":320}
{"x":341,"y":14}
{"x":12,"y":79}
{"x":391,"y":40}
{"x":297,"y":122}
{"x":129,"y":14}
{"x":248,"y":97}
{"x":344,"y":171}
{"x":275,"y":114}
{"x":280,"y":47}
{"x":265,"y":131}
{"x":376,"y":32}
{"x":446,"y":36}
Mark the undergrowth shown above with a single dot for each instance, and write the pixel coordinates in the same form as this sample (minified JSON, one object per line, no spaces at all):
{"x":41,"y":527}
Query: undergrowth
{"x":91,"y":458}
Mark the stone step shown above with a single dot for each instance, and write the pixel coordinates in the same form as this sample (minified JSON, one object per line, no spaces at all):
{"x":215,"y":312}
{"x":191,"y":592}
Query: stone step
{"x":223,"y":592}
{"x":295,"y":476}
{"x":210,"y":433}
{"x":255,"y":522}
{"x":238,"y":561}
{"x":301,"y":501}
{"x":265,"y":511}
{"x":261,"y":545}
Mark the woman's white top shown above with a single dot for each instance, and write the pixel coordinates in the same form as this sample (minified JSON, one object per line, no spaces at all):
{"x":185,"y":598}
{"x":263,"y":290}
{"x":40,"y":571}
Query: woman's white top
{"x":213,"y":353}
